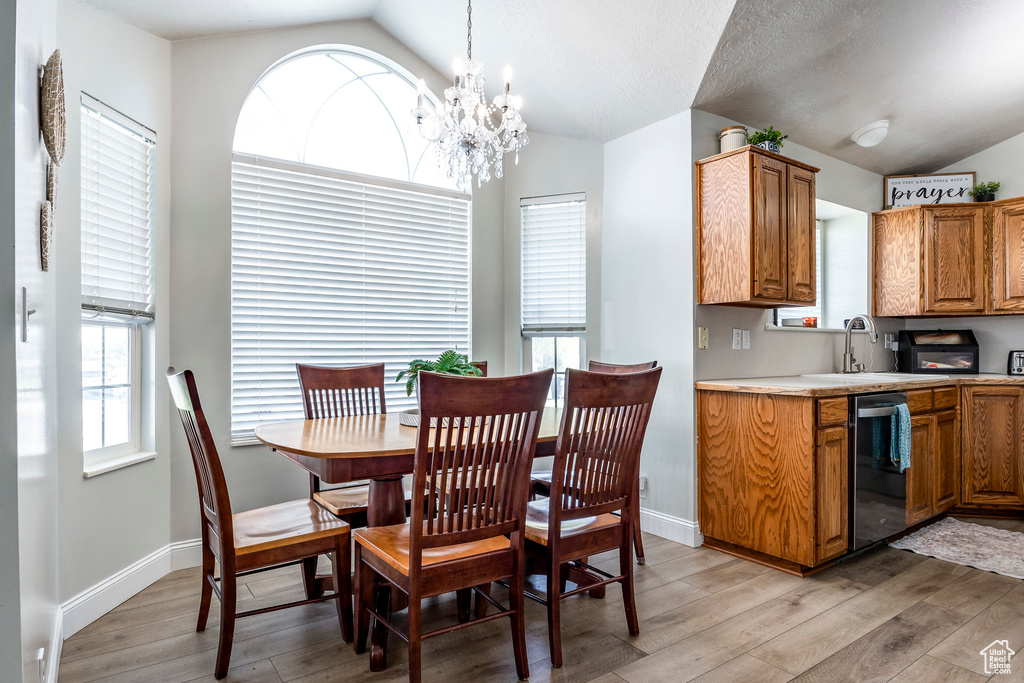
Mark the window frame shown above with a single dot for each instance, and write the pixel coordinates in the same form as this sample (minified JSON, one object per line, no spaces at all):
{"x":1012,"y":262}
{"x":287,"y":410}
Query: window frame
{"x":136,"y":318}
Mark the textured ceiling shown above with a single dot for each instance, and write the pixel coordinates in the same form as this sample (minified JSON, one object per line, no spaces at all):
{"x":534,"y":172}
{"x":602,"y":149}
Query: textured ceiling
{"x":947,"y":73}
{"x":180,"y":19}
{"x":588,"y":69}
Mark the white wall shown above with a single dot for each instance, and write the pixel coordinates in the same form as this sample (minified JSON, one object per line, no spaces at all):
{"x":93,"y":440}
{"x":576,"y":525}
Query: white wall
{"x":1000,"y":162}
{"x":211,"y":78}
{"x":10,"y":603}
{"x":786,"y":352}
{"x":112,"y":520}
{"x":36,"y":375}
{"x":647,"y":295}
{"x":997,"y":335}
{"x":552,"y":165}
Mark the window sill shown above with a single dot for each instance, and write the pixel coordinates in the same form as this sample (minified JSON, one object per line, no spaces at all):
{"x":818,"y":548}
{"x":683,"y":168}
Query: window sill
{"x":109,"y":464}
{"x":833,"y":330}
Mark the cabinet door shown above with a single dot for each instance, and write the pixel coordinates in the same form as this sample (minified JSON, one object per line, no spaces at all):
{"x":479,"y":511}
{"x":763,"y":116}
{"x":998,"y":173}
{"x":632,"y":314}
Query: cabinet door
{"x":833,"y":475}
{"x":919,"y":474}
{"x":991,"y":455}
{"x":1008,"y":257}
{"x":945,"y":461}
{"x":769,"y":234}
{"x":954,"y":260}
{"x":801,"y":273}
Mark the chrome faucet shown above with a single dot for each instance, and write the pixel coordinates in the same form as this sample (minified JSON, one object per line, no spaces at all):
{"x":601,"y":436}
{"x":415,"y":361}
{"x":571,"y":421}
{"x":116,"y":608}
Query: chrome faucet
{"x":850,"y":363}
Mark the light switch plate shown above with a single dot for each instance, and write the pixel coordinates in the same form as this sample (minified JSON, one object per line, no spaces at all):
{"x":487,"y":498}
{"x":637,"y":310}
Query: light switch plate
{"x":737,"y":339}
{"x":746,"y":339}
{"x":702,"y":337}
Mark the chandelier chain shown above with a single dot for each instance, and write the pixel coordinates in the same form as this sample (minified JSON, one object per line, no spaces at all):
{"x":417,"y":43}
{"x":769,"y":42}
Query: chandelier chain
{"x":469,"y":29}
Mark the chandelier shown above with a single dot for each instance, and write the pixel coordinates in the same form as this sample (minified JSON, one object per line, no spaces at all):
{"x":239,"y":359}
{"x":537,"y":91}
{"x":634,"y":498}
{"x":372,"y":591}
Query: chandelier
{"x":469,"y":142}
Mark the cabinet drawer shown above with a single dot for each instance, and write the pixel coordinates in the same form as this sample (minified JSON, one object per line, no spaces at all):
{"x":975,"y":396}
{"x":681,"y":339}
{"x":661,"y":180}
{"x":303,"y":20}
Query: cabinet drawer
{"x":919,"y":401}
{"x":944,"y":398}
{"x":833,"y":411}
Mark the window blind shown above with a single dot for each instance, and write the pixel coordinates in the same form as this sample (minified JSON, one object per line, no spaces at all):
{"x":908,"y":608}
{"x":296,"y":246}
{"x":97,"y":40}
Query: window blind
{"x":333,"y":268}
{"x":117,"y":189}
{"x":554,"y":265}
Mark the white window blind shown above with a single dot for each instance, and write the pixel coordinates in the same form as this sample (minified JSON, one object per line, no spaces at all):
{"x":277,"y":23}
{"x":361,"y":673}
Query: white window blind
{"x":117,"y":189}
{"x":333,"y":268}
{"x":554,"y":265}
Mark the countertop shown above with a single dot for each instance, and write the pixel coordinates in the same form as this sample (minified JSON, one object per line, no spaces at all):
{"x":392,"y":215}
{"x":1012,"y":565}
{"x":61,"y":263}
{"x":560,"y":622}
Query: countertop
{"x":842,"y":385}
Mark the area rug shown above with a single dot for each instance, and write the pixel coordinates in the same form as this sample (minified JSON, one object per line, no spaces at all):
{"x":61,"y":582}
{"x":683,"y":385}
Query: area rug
{"x":972,"y":545}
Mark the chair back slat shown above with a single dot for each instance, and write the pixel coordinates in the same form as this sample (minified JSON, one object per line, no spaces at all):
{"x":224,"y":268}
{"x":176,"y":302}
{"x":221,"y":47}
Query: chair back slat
{"x":341,"y":392}
{"x":214,"y":503}
{"x":597,"y":456}
{"x":615,"y":369}
{"x":472,"y":470}
{"x":480,"y":365}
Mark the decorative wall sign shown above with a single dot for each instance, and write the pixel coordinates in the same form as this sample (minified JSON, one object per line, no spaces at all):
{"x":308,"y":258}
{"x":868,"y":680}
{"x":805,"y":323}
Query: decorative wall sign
{"x":931,"y":188}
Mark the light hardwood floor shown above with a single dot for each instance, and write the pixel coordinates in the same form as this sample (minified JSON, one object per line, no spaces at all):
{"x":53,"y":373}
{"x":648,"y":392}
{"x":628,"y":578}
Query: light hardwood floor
{"x":885,"y":615}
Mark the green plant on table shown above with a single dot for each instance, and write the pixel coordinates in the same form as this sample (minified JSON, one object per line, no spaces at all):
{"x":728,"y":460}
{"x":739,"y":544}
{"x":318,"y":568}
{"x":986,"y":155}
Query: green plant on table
{"x":451,"y":362}
{"x":769,"y":134}
{"x":985,"y":188}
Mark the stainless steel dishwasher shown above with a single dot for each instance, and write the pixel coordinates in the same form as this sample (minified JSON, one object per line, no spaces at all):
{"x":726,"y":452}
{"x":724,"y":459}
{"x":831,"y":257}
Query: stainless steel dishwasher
{"x":878,"y":492}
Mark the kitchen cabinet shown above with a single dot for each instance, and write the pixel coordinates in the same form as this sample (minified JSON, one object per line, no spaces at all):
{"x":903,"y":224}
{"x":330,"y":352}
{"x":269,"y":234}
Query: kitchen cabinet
{"x":993,"y":447}
{"x":773,"y":475}
{"x":833,"y":475}
{"x":933,"y":476}
{"x":755,"y":230}
{"x":1008,"y":256}
{"x":934,"y":260}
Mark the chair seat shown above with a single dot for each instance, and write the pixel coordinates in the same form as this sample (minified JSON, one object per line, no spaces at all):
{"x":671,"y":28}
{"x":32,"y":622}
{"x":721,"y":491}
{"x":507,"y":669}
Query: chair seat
{"x":537,"y":522}
{"x":285,"y":524}
{"x":541,"y":475}
{"x":391,"y":544}
{"x":351,"y":500}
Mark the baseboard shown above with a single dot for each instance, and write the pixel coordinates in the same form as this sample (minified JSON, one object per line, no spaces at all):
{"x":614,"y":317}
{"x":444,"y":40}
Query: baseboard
{"x":673,"y":528}
{"x":93,"y":603}
{"x":56,"y":645}
{"x":186,"y":554}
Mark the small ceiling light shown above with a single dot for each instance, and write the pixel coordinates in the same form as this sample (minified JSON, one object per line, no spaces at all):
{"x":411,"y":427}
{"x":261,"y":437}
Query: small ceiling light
{"x":871,"y":134}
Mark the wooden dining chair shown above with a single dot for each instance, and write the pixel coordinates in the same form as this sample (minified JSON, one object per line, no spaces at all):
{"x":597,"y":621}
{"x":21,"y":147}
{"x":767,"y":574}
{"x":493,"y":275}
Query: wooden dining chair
{"x":481,"y":365}
{"x":540,"y":482}
{"x":342,"y":392}
{"x":468,"y":535}
{"x":597,"y":456}
{"x":244,"y":543}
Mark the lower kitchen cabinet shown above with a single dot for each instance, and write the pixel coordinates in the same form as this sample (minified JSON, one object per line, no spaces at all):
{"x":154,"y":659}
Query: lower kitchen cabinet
{"x":932,"y":480}
{"x":833,"y":462}
{"x":993,"y":447}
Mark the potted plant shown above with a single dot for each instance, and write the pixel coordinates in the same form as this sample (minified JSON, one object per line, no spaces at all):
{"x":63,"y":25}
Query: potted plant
{"x":769,"y":139}
{"x":985,"y":192}
{"x":450,"y":362}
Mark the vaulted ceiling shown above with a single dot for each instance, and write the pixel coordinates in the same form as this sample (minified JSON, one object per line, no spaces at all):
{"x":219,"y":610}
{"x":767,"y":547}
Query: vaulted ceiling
{"x":945,"y":72}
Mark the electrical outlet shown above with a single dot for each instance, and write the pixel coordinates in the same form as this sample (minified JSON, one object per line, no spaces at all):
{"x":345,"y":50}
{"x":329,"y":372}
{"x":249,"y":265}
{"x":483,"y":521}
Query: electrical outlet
{"x":702,"y":337}
{"x":737,"y":339}
{"x":888,"y":340}
{"x":746,"y":340}
{"x":643,"y":486}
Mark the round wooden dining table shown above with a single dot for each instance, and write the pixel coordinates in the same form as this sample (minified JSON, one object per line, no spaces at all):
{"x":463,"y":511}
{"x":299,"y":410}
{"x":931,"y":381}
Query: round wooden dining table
{"x":374,"y":447}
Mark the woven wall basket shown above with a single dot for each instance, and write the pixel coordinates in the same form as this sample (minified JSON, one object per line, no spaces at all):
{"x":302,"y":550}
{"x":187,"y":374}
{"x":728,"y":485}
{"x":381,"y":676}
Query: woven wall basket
{"x":52,"y":114}
{"x":45,"y":235}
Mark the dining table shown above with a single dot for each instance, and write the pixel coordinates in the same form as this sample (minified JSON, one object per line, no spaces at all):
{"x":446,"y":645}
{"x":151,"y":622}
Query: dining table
{"x":380,"y":449}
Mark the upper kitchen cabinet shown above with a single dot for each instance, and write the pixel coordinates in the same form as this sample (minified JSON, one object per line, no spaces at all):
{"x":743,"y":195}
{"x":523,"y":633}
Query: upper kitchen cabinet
{"x":933,"y":260}
{"x":755,"y":230}
{"x":1008,"y":256}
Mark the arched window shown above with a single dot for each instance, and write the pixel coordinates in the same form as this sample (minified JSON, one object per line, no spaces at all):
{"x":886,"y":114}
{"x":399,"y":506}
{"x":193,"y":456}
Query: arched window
{"x":348,"y":244}
{"x":342,"y":109}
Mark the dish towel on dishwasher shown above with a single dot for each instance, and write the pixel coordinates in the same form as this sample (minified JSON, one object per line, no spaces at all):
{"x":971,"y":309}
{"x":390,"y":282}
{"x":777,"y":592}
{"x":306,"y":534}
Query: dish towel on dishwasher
{"x":899,"y":440}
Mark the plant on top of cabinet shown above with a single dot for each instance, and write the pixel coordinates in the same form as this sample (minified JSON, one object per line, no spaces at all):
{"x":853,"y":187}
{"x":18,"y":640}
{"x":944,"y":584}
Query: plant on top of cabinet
{"x":769,"y":139}
{"x":985,"y":192}
{"x":755,"y":230}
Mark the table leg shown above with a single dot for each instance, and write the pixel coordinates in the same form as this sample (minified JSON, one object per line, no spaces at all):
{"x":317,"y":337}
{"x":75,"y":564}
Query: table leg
{"x":386,"y":506}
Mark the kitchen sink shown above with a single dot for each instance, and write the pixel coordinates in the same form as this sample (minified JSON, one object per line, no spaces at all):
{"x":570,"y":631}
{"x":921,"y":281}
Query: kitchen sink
{"x":873,"y":377}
